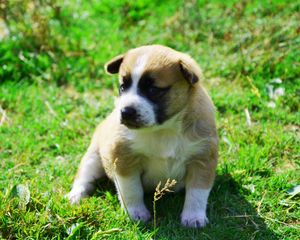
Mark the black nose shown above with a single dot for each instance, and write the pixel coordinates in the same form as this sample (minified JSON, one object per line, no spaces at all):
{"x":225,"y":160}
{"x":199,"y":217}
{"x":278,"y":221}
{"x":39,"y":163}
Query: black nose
{"x":128,"y":114}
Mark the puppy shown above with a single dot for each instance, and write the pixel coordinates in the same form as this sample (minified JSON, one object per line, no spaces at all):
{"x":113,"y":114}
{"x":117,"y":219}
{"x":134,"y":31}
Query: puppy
{"x":163,"y":126}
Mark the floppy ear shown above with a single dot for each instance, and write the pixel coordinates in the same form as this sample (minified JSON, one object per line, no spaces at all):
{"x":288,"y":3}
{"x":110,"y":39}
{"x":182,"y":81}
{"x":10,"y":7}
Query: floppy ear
{"x":113,"y":65}
{"x":190,"y":70}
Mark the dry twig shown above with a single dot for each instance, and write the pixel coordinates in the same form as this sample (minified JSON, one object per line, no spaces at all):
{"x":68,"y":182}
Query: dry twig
{"x":159,"y":193}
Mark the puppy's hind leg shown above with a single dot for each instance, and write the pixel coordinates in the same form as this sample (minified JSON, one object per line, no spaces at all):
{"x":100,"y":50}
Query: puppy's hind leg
{"x":199,"y":181}
{"x":89,"y":171}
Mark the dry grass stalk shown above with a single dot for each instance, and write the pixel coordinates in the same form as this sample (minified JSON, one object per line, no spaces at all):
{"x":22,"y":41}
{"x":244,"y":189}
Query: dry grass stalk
{"x":248,"y":118}
{"x":3,"y":117}
{"x":159,"y":193}
{"x":51,"y":110}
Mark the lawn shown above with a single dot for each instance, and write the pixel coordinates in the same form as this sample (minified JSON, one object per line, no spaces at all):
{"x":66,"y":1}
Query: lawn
{"x":53,"y":93}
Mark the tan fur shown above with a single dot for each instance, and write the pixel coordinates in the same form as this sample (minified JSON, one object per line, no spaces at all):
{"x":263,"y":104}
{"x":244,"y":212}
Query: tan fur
{"x":190,"y":100}
{"x":114,"y":148}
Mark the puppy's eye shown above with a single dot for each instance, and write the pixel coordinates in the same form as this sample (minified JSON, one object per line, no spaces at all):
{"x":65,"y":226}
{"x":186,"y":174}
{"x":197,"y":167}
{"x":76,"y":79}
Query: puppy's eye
{"x":121,"y":88}
{"x":125,"y":85}
{"x":156,"y":92}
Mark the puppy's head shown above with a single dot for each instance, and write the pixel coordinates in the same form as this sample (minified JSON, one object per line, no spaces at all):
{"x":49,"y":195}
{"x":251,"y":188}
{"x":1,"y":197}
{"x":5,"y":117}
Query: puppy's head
{"x":155,"y":84}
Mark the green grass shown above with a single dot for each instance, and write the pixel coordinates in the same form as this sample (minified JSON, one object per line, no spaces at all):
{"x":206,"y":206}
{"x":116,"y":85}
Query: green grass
{"x":54,"y":92}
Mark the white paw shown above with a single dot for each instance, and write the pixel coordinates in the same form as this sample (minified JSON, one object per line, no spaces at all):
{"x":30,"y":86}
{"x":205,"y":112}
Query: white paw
{"x":193,"y":219}
{"x":76,"y":194}
{"x":138,"y":213}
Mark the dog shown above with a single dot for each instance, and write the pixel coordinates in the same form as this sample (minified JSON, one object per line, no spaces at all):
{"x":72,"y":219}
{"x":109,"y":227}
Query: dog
{"x":162,"y":127}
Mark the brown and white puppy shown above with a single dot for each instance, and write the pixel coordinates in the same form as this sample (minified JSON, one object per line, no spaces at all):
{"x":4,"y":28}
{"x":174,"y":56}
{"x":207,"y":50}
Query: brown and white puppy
{"x":163,"y":126}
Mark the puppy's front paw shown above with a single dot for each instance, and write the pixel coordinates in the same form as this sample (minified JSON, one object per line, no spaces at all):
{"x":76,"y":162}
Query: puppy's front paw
{"x":76,"y":194}
{"x":194,"y":219}
{"x":138,"y":213}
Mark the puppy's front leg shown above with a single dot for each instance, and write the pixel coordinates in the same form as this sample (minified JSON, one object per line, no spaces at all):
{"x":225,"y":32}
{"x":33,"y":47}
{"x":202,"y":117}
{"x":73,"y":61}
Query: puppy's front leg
{"x":194,"y":210}
{"x":131,"y":195}
{"x":89,"y":171}
{"x":199,"y":180}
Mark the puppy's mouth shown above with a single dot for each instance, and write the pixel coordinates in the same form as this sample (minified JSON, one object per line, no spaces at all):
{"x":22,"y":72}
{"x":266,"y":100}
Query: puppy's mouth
{"x":132,"y":124}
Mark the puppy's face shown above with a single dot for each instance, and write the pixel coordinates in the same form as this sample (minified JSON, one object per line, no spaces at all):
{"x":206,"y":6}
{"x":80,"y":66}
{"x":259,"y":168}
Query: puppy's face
{"x":154,"y":84}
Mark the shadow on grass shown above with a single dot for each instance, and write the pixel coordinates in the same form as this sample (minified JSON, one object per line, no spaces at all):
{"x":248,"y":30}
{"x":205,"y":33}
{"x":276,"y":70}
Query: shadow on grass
{"x":231,"y":216}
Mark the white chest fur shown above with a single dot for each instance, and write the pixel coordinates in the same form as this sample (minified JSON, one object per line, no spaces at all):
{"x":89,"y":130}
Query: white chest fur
{"x":168,"y":152}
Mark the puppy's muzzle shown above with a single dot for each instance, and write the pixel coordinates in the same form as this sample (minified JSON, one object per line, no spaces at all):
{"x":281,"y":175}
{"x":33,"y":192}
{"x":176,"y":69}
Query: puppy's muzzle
{"x":129,"y":117}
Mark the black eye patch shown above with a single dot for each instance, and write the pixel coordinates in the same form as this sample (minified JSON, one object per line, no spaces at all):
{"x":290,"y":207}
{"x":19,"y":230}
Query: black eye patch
{"x":146,"y":88}
{"x":127,"y":82}
{"x":155,"y":93}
